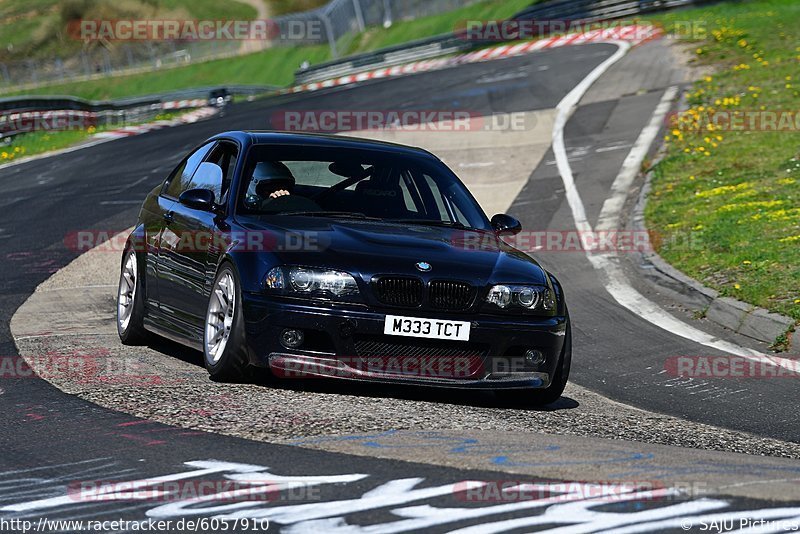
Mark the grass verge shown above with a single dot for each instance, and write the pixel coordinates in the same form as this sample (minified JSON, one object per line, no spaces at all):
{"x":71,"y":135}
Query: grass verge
{"x":409,"y":30}
{"x":271,"y":67}
{"x":726,"y":198}
{"x":33,"y":143}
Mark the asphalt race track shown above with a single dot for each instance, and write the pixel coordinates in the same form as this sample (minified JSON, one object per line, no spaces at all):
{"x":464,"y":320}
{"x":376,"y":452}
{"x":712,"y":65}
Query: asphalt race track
{"x":51,"y":439}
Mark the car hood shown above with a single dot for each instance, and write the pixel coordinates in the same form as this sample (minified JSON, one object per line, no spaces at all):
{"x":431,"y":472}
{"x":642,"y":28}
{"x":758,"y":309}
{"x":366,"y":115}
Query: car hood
{"x":370,"y":248}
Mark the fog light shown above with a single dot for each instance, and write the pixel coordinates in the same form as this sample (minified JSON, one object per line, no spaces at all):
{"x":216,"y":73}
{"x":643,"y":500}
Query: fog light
{"x":534,"y":357}
{"x":291,"y":338}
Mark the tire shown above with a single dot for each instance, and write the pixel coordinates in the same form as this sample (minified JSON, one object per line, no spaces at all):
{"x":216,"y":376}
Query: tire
{"x":130,"y":302}
{"x":550,"y":394}
{"x":225,"y":351}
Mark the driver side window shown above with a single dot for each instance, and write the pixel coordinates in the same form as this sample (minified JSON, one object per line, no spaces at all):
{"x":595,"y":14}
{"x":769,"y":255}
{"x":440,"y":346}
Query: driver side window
{"x":223,"y":155}
{"x":181,"y":177}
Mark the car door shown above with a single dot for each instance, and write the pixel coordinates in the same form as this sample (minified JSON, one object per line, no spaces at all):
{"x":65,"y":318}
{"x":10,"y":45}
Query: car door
{"x":193,"y":241}
{"x":176,"y":183}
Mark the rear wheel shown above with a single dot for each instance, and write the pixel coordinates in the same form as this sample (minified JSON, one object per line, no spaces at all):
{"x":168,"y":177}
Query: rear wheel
{"x":224,"y":347}
{"x":130,"y":302}
{"x":550,"y":394}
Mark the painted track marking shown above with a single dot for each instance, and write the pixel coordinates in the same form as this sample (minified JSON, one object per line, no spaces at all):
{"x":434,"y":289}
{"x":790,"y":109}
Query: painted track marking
{"x":614,"y":279}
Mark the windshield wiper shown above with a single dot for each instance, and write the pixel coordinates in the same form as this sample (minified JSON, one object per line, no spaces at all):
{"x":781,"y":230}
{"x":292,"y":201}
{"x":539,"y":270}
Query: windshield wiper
{"x":432,"y":222}
{"x":332,"y":214}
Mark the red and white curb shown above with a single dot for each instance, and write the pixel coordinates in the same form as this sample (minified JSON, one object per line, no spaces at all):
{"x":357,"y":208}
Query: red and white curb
{"x":635,"y":34}
{"x":186,"y":118}
{"x":181,"y":104}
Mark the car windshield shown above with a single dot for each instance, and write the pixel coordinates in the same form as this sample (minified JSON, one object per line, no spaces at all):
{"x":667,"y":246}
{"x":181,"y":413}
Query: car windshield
{"x":355,"y":184}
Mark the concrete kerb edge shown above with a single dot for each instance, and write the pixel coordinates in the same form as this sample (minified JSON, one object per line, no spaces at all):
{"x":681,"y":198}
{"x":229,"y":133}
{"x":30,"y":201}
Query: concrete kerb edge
{"x":741,"y":317}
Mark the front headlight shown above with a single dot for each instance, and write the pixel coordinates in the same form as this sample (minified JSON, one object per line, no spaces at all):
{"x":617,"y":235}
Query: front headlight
{"x":534,"y":298}
{"x":311,"y":282}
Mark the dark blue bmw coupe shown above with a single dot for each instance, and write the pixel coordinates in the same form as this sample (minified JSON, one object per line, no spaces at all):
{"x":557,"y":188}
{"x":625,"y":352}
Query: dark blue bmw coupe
{"x":326,"y":256}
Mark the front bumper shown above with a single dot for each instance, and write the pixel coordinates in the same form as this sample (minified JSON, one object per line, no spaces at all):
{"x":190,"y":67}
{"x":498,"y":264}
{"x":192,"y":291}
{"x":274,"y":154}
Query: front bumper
{"x":349,"y":343}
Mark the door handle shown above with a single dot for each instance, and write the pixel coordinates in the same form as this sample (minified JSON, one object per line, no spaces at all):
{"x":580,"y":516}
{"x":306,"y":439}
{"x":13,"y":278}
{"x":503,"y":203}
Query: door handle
{"x":168,"y":216}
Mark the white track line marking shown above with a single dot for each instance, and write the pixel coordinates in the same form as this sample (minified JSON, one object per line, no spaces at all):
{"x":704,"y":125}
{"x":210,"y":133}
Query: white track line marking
{"x":615,"y":281}
{"x":612,"y":207}
{"x":564,"y":111}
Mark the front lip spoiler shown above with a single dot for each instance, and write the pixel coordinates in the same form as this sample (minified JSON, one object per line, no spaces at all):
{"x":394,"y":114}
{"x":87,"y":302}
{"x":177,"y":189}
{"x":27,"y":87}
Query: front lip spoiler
{"x":300,"y":366}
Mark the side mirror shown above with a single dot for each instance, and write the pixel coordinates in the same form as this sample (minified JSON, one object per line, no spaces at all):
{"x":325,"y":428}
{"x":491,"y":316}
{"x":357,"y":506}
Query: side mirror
{"x":199,"y":199}
{"x":506,"y":224}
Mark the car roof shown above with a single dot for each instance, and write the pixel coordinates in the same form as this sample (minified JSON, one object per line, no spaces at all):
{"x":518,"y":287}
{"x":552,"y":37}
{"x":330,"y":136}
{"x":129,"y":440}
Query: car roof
{"x":255,"y":137}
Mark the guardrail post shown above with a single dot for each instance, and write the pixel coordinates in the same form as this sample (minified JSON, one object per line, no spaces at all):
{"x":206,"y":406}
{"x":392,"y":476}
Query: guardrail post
{"x":359,"y":15}
{"x":32,"y":70}
{"x":87,"y":70}
{"x":331,"y":38}
{"x":6,"y":75}
{"x":387,"y":14}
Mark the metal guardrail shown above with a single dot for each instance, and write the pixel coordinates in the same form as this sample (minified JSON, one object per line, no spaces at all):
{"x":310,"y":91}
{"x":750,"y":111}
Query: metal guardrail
{"x":594,"y":10}
{"x":27,"y":110}
{"x":64,"y":102}
{"x":561,"y":10}
{"x":387,"y":57}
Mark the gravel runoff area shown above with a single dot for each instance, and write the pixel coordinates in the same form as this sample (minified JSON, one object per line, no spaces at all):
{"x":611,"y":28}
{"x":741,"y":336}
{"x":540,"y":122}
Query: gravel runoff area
{"x":66,"y":331}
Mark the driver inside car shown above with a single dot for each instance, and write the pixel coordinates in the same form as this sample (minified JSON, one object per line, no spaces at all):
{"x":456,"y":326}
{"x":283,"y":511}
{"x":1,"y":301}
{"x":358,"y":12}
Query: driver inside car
{"x":273,"y":179}
{"x":271,"y":190}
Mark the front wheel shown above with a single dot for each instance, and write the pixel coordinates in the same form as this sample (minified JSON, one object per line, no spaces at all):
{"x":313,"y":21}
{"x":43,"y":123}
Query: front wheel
{"x":224,"y":347}
{"x":550,"y":394}
{"x":130,"y":302}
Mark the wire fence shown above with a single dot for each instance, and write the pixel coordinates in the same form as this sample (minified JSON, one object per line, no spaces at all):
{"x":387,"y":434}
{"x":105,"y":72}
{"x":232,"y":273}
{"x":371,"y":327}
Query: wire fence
{"x":337,"y":25}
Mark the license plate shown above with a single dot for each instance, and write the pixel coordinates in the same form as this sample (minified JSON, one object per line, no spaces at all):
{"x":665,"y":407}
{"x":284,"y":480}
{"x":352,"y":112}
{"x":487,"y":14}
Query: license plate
{"x":396,"y":325}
